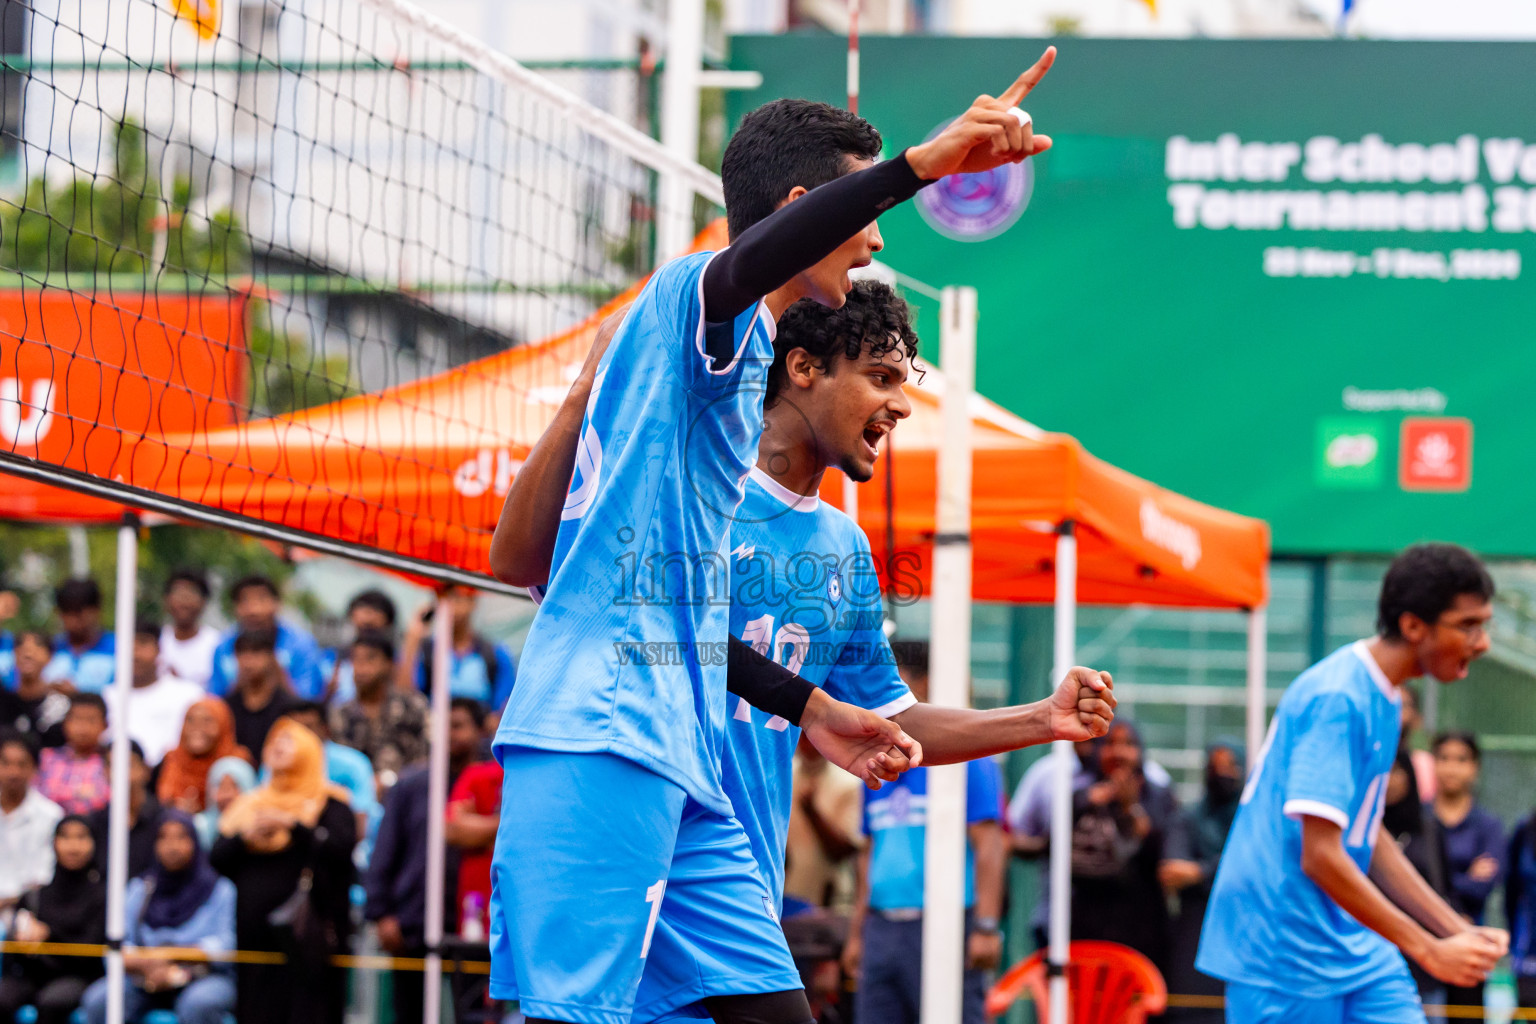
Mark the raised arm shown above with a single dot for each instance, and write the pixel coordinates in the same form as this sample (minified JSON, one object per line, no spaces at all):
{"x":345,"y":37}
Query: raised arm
{"x":801,"y":233}
{"x":1455,"y":953}
{"x":524,"y":542}
{"x":1081,"y":709}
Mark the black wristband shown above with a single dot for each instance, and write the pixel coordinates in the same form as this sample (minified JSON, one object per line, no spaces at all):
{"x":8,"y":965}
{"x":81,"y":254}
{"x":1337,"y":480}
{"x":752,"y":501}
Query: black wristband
{"x":765,"y":684}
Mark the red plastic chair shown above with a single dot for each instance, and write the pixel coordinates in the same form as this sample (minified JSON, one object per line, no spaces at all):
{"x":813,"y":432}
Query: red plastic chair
{"x":1109,"y":984}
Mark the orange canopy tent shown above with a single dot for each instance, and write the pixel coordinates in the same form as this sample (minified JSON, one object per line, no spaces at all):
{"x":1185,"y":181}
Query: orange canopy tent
{"x":1137,"y":543}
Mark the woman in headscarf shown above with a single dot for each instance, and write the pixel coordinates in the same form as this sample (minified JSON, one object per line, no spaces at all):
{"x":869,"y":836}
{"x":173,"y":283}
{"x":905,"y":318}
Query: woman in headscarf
{"x":207,"y":735}
{"x":1208,"y":824}
{"x":1125,"y":829}
{"x":227,"y":780}
{"x":288,"y":844}
{"x":71,"y":908}
{"x":180,"y":901}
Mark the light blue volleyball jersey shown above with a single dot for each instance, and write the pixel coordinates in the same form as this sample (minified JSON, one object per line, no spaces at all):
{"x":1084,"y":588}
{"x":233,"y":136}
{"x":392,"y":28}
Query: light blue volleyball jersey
{"x":1329,"y":754}
{"x":805,"y":593}
{"x":627,"y":652}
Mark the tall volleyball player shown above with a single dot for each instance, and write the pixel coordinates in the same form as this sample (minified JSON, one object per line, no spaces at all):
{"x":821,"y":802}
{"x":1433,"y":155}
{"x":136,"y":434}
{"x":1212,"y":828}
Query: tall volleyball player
{"x":611,"y":741}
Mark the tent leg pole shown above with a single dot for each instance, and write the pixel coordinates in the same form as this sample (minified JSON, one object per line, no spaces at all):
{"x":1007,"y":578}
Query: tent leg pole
{"x":117,"y":815}
{"x":437,"y":807}
{"x":1258,"y":644}
{"x":1061,"y":797}
{"x":943,"y":965}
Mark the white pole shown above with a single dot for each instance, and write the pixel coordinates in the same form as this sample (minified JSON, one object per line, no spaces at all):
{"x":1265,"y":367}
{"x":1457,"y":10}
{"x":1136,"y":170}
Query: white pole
{"x":117,"y":813}
{"x":1258,"y":644}
{"x":1061,"y":797}
{"x":437,"y":807}
{"x":679,"y":123}
{"x":949,"y":668}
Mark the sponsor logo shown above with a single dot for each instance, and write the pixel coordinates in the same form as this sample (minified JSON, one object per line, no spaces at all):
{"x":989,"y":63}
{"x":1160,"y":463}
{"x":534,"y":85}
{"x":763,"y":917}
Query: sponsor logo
{"x":1170,"y":534}
{"x":487,"y":472}
{"x":1349,"y":452}
{"x":1436,"y":454}
{"x":25,"y":421}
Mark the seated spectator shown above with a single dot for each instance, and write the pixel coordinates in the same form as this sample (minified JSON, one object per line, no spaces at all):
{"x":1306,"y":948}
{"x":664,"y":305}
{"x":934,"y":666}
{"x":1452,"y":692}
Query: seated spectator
{"x":143,"y":818}
{"x":824,"y":832}
{"x":397,"y":871}
{"x":27,"y":822}
{"x":1125,"y":831}
{"x":34,"y":708}
{"x":478,"y":668}
{"x":261,"y":694}
{"x":371,"y":611}
{"x":207,"y":736}
{"x":181,"y":901}
{"x":1206,"y":825}
{"x":74,"y":776}
{"x":157,"y":704}
{"x":344,"y":766}
{"x":227,"y":780}
{"x":1473,"y":839}
{"x":84,"y":657}
{"x":387,"y":724}
{"x":295,"y":826}
{"x":71,"y":908}
{"x":187,"y":645}
{"x":257,"y":603}
{"x":474,"y":811}
{"x":10,"y":605}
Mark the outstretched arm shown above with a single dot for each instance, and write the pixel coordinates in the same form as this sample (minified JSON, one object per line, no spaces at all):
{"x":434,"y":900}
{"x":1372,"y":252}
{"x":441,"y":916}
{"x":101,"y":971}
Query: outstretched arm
{"x":1081,"y":708}
{"x":801,"y":233}
{"x":524,"y":542}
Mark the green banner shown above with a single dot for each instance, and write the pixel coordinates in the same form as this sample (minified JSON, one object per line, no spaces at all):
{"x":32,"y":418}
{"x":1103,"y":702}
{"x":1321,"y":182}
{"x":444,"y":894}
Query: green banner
{"x":1292,"y":279}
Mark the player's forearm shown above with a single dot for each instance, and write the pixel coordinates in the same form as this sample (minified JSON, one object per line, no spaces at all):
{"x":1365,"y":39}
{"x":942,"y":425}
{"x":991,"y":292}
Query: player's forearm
{"x":965,"y":734}
{"x":471,"y":831}
{"x":1332,"y":870}
{"x":524,"y":542}
{"x":800,"y":234}
{"x":1396,"y":876}
{"x":765,"y":684}
{"x":991,"y":868}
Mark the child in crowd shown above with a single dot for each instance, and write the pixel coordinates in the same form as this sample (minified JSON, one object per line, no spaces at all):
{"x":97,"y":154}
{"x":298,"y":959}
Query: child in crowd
{"x":74,"y":776}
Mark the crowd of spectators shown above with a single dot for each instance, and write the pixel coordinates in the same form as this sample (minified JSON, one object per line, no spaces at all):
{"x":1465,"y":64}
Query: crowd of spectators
{"x":269,"y":782}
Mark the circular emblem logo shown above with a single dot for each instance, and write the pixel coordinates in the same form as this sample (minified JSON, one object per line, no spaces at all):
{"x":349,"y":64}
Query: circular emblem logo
{"x":976,"y":207}
{"x":835,"y":587}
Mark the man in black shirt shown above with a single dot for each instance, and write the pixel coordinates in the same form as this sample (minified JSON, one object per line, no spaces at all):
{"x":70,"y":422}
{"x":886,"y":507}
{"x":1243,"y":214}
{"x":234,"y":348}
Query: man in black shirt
{"x":261,"y":694}
{"x":143,"y":817}
{"x":34,"y":708}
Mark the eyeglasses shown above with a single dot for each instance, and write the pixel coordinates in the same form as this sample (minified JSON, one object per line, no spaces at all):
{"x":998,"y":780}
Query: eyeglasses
{"x":1473,"y":631}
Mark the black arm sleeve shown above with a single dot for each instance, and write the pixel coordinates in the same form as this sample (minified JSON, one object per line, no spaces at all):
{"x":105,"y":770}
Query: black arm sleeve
{"x":765,"y":684}
{"x":800,"y":234}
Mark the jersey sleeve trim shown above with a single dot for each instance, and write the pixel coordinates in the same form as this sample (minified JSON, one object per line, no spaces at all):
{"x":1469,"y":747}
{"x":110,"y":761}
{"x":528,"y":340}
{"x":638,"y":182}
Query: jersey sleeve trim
{"x":895,"y":707}
{"x":759,"y":312}
{"x":1298,"y":809}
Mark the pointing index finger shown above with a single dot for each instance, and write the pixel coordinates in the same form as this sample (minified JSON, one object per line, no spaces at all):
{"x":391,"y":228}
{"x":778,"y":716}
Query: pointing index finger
{"x":1029,"y":79}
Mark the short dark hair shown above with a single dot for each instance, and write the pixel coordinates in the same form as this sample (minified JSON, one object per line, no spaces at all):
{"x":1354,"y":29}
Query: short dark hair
{"x":306,"y":707}
{"x":378,"y":640}
{"x":378,"y":601}
{"x":10,"y":737}
{"x":148,"y":628}
{"x":89,"y":700}
{"x":1425,"y":580}
{"x":784,"y":144}
{"x":874,"y":318}
{"x":245,"y":583}
{"x":473,"y":708}
{"x":912,"y":655}
{"x":192,"y":577}
{"x":1462,"y":736}
{"x":77,"y":595}
{"x":260,"y":639}
{"x":38,"y":637}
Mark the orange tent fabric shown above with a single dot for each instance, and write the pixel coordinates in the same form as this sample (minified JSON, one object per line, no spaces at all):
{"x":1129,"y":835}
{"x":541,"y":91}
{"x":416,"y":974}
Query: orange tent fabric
{"x":422,"y":469}
{"x":1137,"y":543}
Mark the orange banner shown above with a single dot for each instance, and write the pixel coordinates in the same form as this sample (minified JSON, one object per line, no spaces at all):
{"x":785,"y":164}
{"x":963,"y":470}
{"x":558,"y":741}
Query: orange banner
{"x":84,"y":375}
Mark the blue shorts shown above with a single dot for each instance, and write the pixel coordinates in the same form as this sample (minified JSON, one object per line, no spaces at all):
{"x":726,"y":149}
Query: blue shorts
{"x":1393,"y":999}
{"x":616,"y":896}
